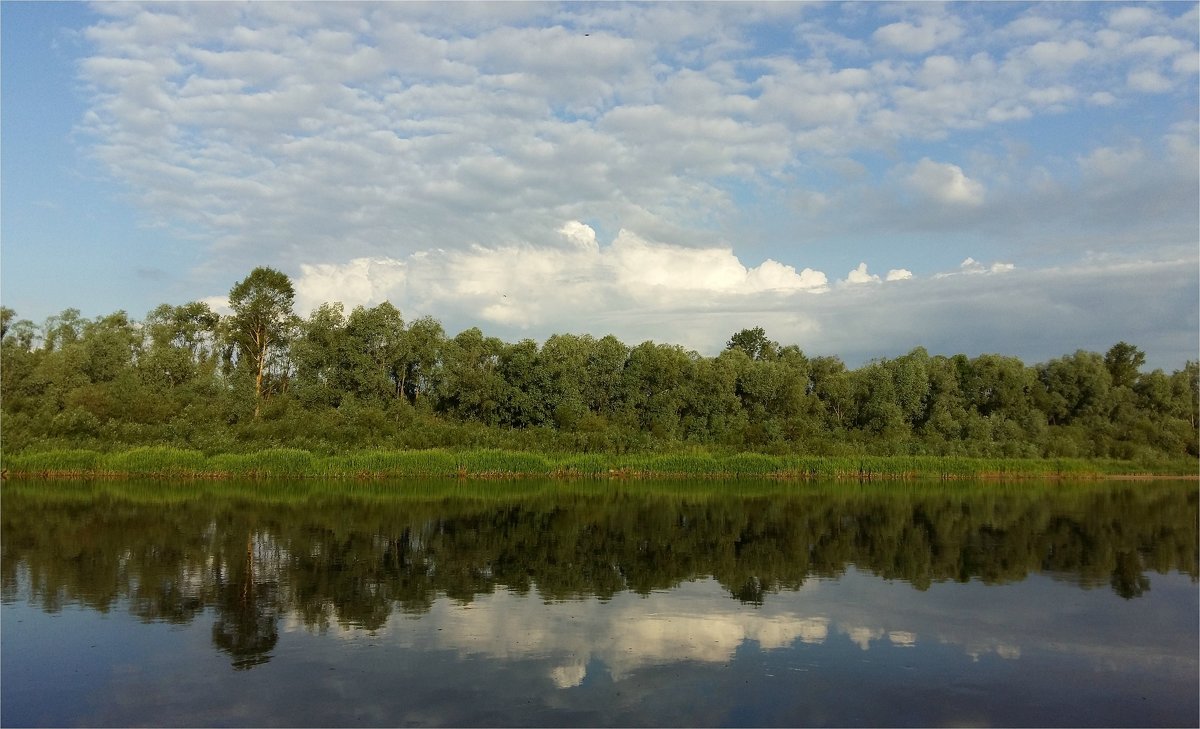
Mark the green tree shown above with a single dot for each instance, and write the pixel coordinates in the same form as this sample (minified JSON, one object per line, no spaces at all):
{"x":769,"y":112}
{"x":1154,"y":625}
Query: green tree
{"x":262,"y":322}
{"x":421,"y":358}
{"x":7,"y":316}
{"x":181,"y":343}
{"x":319,"y":353}
{"x":375,"y":345}
{"x":1076,"y":388}
{"x":1123,"y":362}
{"x":471,"y":387}
{"x":755,"y":343}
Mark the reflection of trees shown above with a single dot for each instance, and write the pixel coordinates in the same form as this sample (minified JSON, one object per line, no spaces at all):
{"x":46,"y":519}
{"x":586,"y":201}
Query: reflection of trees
{"x":247,"y":611}
{"x":355,"y":560}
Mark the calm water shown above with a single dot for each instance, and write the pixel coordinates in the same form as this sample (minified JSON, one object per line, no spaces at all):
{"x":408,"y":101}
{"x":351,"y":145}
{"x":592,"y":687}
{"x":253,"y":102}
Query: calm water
{"x":598,"y":604}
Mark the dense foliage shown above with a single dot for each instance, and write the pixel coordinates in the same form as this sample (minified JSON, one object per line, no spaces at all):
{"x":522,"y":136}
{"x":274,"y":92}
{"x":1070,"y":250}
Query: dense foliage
{"x":263,"y":377}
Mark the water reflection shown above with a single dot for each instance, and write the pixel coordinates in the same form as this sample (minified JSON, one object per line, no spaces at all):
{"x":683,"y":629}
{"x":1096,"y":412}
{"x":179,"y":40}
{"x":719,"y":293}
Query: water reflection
{"x":328,"y":557}
{"x":598,"y":604}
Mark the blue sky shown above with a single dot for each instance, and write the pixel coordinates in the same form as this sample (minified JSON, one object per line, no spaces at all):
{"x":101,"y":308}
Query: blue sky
{"x":859,"y":179}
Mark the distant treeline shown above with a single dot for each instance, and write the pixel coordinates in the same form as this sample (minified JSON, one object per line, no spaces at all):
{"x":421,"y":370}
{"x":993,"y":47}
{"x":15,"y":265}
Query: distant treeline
{"x":264,"y":378}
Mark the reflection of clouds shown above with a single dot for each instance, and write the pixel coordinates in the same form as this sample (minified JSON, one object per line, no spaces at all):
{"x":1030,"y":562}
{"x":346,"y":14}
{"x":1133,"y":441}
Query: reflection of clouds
{"x":779,"y":634}
{"x":861,"y":636}
{"x":697,"y":622}
{"x":705,"y":638}
{"x":626,"y":634}
{"x":978,"y":649}
{"x":903,"y":638}
{"x":570,"y":675}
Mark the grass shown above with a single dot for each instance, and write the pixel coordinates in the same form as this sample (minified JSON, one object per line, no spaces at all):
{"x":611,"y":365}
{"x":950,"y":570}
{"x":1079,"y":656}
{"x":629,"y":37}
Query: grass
{"x":438,"y":463}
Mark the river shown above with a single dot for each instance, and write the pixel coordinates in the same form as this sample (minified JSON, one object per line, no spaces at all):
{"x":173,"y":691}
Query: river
{"x":538,"y":603}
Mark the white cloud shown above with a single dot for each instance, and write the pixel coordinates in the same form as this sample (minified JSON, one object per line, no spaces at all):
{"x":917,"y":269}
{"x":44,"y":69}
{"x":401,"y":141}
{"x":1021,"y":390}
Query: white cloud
{"x":1058,"y":54}
{"x":361,"y":281}
{"x":945,"y":183}
{"x":1149,"y":82}
{"x":524,"y":285}
{"x":431,"y":157}
{"x":580,"y":235}
{"x":860,"y":276}
{"x":1158,"y":46}
{"x":923,"y":36}
{"x":970,"y":266}
{"x":1131,"y":17}
{"x":1187,"y":64}
{"x":219,"y":304}
{"x":1111,"y":162}
{"x":1033,"y":26}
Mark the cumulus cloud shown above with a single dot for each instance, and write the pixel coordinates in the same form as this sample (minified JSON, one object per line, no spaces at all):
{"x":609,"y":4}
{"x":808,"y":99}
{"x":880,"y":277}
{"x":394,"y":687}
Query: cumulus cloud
{"x":945,"y":183}
{"x":638,"y":289}
{"x":524,"y":285}
{"x":361,"y":281}
{"x":860,"y":276}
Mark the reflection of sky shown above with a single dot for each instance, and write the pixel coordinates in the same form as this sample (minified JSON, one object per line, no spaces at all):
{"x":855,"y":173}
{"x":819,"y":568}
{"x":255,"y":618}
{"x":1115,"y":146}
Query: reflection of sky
{"x":698,"y":622}
{"x":856,"y":650}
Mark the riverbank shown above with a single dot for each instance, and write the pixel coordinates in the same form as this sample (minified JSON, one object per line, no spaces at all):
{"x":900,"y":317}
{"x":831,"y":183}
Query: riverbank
{"x":481,"y":464}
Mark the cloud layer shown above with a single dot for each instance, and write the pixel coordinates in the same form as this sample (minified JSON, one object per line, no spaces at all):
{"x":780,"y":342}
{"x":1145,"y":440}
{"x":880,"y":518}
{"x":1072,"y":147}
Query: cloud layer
{"x":466,"y":159}
{"x":639,"y":289}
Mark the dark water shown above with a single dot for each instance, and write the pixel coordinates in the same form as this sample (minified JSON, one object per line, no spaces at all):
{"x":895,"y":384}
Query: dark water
{"x":599,"y":604}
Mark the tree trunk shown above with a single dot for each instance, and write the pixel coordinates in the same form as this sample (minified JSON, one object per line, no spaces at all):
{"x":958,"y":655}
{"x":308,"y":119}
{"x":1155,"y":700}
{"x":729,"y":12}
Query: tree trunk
{"x":261,"y":337}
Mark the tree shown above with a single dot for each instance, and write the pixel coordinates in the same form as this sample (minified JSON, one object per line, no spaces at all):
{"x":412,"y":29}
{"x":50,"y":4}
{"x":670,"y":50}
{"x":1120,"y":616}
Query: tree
{"x":421,"y":358}
{"x":262,"y":321}
{"x":1076,"y":387}
{"x":375,"y":342}
{"x":754,"y":343}
{"x":7,"y":316}
{"x":318,"y":352}
{"x":1123,"y":362}
{"x":182,"y":342}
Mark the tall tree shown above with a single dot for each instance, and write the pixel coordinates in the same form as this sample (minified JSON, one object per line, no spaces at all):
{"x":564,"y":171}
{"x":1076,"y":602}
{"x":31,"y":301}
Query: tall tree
{"x":261,"y":321}
{"x":1123,"y":361}
{"x":7,"y":316}
{"x":754,"y":343}
{"x":375,"y":344}
{"x":181,"y":343}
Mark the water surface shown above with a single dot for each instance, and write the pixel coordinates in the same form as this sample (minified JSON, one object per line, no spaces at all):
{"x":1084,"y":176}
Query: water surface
{"x":543,"y":603}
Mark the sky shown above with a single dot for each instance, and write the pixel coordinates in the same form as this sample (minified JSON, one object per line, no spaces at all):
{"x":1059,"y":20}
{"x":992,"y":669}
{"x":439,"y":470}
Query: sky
{"x":858,"y":179}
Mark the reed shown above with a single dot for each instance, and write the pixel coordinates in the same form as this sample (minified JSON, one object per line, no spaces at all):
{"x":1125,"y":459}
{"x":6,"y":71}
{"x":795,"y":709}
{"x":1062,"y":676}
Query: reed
{"x":379,"y":463}
{"x":49,"y":463}
{"x":155,"y":461}
{"x":487,"y":463}
{"x":290,"y":463}
{"x":273,"y":463}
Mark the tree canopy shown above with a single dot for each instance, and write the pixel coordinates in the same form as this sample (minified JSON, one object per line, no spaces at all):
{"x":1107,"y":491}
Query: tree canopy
{"x":261,"y":376}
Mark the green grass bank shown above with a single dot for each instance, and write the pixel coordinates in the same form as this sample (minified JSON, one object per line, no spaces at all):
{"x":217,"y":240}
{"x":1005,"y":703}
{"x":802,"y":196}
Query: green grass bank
{"x":277,"y":463}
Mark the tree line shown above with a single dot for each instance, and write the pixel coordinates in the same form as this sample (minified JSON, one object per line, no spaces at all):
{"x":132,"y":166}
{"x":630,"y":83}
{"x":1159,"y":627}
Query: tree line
{"x":263,"y":377}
